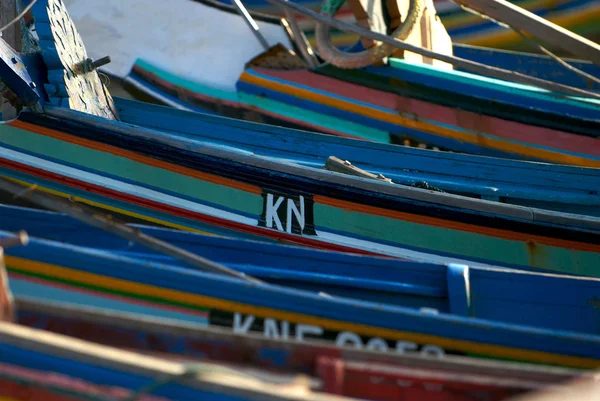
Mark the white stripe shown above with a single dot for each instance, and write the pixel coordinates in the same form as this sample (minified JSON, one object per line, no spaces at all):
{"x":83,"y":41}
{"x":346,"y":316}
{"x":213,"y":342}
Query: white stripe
{"x":322,"y":236}
{"x":123,"y":187}
{"x":392,"y":250}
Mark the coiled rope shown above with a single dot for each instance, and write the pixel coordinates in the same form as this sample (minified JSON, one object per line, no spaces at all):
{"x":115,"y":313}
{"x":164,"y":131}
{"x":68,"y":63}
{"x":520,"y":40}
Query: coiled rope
{"x":342,"y":59}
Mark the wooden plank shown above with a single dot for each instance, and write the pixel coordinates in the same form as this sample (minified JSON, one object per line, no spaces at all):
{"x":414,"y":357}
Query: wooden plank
{"x":70,"y":70}
{"x":345,"y":167}
{"x":521,"y":19}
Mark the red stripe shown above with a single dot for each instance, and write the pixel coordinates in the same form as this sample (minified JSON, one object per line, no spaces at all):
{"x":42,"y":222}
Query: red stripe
{"x":447,"y":115}
{"x":120,"y":298}
{"x":176,"y":211}
{"x":184,"y":93}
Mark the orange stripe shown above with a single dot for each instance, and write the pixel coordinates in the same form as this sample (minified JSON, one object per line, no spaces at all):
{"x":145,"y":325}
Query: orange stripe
{"x":506,"y":234}
{"x":137,"y":157}
{"x":455,"y":225}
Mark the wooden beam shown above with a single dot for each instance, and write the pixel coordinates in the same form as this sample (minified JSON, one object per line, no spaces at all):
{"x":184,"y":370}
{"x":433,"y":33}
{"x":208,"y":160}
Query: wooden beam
{"x":525,"y":21}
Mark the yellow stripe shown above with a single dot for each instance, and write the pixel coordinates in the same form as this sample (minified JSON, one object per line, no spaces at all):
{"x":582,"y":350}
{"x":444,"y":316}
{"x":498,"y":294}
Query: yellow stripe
{"x":486,"y":142}
{"x":113,"y":209}
{"x":334,"y":325}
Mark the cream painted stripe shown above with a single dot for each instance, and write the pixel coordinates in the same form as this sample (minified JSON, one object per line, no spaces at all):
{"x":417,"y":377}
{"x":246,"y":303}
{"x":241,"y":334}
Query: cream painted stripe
{"x":115,"y":185}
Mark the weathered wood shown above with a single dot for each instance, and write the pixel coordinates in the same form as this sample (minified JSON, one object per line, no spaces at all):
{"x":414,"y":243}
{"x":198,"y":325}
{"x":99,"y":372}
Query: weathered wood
{"x":200,"y":376}
{"x":80,"y":212}
{"x":72,"y":80}
{"x":523,"y":20}
{"x":345,"y":167}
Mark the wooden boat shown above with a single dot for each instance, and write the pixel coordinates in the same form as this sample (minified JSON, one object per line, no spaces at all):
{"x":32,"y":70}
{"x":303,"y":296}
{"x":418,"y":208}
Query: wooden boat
{"x":401,"y":103}
{"x":381,"y":376}
{"x":489,"y":293}
{"x":185,"y":183}
{"x":94,"y":277}
{"x":465,"y":28}
{"x":562,"y":188}
{"x":36,"y":366}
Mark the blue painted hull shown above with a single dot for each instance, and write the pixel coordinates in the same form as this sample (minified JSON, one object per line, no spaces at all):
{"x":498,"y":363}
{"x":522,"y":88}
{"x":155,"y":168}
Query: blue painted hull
{"x":487,"y":293}
{"x":276,"y":310}
{"x":567,"y":189}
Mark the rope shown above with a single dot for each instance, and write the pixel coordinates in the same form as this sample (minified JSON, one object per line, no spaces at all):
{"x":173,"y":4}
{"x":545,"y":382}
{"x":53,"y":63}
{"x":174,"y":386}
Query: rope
{"x":475,"y":67}
{"x":341,"y":59}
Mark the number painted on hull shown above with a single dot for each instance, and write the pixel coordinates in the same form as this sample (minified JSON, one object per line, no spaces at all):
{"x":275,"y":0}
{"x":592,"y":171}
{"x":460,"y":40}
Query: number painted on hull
{"x":272,"y":328}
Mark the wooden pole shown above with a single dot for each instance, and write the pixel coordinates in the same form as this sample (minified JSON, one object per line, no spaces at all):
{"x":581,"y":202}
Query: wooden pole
{"x":523,"y":20}
{"x":472,"y":66}
{"x":12,"y":36}
{"x":107,"y":223}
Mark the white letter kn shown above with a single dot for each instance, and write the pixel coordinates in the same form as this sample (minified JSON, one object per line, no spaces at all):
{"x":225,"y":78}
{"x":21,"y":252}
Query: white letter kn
{"x":271,"y":213}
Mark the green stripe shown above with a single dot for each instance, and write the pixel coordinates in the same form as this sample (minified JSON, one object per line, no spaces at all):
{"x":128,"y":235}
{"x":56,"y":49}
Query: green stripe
{"x":317,"y":119}
{"x":466,"y":244}
{"x":186,"y":83}
{"x":106,"y":163}
{"x":481,"y":81}
{"x":273,"y":106}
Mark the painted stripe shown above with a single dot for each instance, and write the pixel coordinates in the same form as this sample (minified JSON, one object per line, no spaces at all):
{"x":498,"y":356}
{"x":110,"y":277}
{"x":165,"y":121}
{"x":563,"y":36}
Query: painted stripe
{"x":135,"y":156}
{"x":26,"y":286}
{"x":139,"y":192}
{"x":499,"y":37}
{"x":267,"y":107}
{"x":394,"y":118}
{"x":194,"y":300}
{"x":471,"y":122}
{"x":159,"y":200}
{"x":454,"y":225}
{"x":556,"y":259}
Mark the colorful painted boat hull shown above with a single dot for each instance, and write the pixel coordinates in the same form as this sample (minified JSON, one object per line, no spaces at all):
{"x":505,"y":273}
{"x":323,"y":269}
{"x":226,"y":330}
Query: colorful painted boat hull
{"x":33,"y":362}
{"x":399,"y":103}
{"x":485,"y":293}
{"x":280,"y":312}
{"x":463,"y":27}
{"x":546,"y":186}
{"x":409,"y":377}
{"x":188,"y":184}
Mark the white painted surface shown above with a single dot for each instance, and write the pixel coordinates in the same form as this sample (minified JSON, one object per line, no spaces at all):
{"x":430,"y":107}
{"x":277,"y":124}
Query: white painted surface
{"x":183,"y":37}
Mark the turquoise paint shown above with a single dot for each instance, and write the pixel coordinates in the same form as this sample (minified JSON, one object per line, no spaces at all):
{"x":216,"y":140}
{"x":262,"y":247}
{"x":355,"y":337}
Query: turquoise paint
{"x":455,"y":242}
{"x":105,"y":163}
{"x":23,"y":288}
